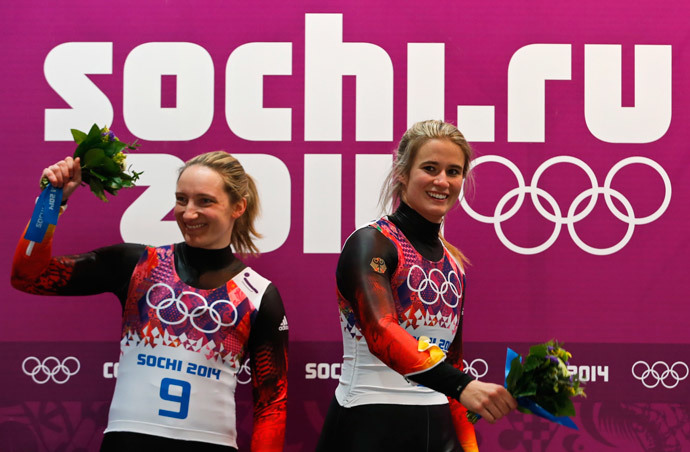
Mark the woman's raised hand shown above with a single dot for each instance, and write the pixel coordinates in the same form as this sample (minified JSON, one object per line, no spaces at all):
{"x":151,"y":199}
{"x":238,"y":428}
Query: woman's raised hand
{"x":65,"y":174}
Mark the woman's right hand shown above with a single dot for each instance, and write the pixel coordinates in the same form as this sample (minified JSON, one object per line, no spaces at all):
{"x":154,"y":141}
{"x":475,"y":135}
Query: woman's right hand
{"x":65,"y":174}
{"x":489,"y":400}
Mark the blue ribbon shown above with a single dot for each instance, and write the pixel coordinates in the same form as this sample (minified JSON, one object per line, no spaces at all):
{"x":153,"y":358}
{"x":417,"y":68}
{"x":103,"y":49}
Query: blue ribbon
{"x":45,"y":213}
{"x":531,"y":405}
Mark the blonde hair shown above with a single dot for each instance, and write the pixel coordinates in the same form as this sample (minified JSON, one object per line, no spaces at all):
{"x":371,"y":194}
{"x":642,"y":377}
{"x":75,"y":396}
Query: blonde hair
{"x":412,"y":140}
{"x":238,"y":185}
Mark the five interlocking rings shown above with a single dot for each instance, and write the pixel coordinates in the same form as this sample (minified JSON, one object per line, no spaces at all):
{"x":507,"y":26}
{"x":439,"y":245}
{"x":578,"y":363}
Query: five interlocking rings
{"x":182,"y":310}
{"x":50,"y":368}
{"x":660,"y":372}
{"x":572,"y":217}
{"x":452,"y":284}
{"x":472,"y":370}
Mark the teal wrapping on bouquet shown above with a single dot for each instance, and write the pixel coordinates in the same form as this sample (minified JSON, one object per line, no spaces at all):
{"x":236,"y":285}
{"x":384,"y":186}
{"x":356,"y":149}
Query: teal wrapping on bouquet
{"x":531,"y":405}
{"x":45,"y":213}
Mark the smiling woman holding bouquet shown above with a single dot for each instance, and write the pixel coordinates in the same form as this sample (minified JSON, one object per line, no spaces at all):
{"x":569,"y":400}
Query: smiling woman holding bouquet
{"x":191,"y":312}
{"x":401,"y":291}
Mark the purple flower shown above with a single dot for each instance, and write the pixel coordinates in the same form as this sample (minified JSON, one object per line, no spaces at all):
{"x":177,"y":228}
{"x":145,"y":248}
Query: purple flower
{"x":553,"y":359}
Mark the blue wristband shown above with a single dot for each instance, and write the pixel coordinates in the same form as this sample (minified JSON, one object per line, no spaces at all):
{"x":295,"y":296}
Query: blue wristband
{"x":46,"y":212}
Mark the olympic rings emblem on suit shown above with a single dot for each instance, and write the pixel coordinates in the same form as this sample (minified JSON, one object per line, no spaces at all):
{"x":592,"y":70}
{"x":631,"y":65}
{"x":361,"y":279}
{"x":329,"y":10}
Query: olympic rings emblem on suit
{"x":660,"y":372}
{"x":451,"y":283}
{"x":51,"y":368}
{"x":572,"y":217}
{"x":471,"y":368}
{"x":246,"y":373}
{"x":183,"y":310}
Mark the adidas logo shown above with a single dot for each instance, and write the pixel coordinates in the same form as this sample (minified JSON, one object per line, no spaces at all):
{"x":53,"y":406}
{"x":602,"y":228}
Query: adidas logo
{"x":283,"y":325}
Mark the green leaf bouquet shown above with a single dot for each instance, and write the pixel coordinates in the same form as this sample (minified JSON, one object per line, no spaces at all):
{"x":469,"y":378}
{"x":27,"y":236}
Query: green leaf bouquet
{"x":103,"y":161}
{"x":541,"y":383}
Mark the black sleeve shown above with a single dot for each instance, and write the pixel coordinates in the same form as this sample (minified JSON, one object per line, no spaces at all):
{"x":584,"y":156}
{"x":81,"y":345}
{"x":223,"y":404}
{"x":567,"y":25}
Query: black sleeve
{"x":107,"y":269}
{"x":444,"y":378}
{"x":268,"y":350}
{"x":354,"y":265}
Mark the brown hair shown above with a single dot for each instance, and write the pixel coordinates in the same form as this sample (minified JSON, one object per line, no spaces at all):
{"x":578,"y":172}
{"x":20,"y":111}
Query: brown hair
{"x":412,"y":140}
{"x":238,"y":185}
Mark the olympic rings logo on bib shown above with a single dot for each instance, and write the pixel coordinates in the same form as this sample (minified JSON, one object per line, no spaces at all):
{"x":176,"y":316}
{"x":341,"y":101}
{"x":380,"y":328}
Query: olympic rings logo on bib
{"x":50,"y":368}
{"x":172,"y":309}
{"x":447,"y":289}
{"x":571,"y":218}
{"x":660,"y":373}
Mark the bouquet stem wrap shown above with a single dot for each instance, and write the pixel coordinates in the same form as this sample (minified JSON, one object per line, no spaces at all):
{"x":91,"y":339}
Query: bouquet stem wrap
{"x":45,"y":213}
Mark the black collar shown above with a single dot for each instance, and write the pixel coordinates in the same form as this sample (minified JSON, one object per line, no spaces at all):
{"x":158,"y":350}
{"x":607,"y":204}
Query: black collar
{"x":203,"y":260}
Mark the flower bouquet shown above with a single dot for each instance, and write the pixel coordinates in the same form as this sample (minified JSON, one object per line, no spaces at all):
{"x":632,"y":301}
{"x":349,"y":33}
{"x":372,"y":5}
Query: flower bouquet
{"x":542,"y":383}
{"x":103,"y":165}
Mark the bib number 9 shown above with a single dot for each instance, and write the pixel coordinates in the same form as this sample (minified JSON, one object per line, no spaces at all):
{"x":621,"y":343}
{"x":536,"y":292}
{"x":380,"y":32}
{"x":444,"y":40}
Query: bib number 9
{"x":177,"y":391}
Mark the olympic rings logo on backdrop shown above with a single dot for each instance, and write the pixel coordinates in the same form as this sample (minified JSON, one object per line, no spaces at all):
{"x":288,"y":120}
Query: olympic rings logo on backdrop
{"x":571,"y":218}
{"x":51,"y":368}
{"x":179,"y":309}
{"x":660,"y":372}
{"x":441,"y":286}
{"x":471,"y":368}
{"x":246,"y":373}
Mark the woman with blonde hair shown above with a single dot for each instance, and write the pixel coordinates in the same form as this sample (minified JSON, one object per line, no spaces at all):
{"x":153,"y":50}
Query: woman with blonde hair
{"x":401,"y":293}
{"x":191,"y":312}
